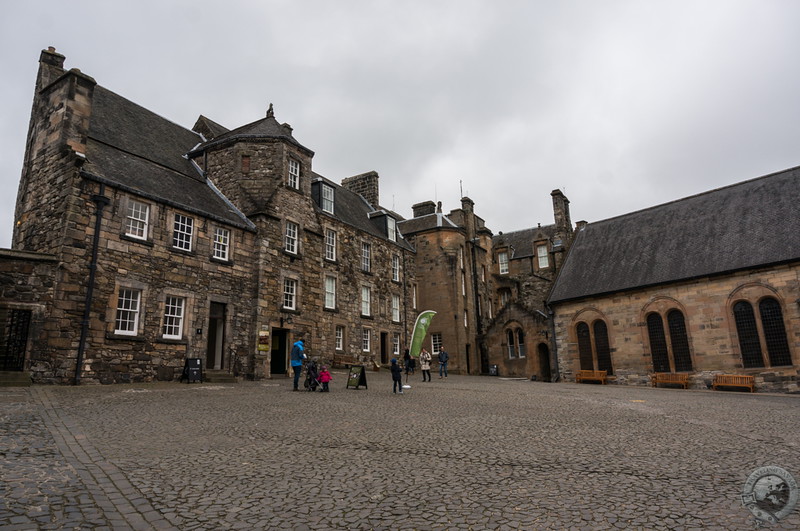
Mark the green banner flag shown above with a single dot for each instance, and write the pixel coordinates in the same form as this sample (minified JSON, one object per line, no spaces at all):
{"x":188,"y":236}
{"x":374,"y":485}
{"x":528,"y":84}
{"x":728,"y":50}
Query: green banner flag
{"x":420,"y":330}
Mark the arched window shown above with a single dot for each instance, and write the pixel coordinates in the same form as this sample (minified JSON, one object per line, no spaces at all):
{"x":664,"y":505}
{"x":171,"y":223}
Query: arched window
{"x":602,"y":348}
{"x":520,"y":343}
{"x":593,"y":345}
{"x":679,"y":341}
{"x":585,"y":347}
{"x":774,"y":332}
{"x":658,"y":343}
{"x":510,"y":339}
{"x":748,"y":335}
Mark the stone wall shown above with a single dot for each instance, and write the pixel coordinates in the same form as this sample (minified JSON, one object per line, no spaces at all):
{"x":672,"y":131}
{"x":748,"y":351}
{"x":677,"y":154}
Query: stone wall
{"x":707,"y":308}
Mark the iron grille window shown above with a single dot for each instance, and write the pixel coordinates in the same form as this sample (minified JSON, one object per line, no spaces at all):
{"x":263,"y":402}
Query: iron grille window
{"x":585,"y":347}
{"x":658,"y":343}
{"x":680,"y":341}
{"x":748,"y":335}
{"x":774,"y":332}
{"x":602,"y":348}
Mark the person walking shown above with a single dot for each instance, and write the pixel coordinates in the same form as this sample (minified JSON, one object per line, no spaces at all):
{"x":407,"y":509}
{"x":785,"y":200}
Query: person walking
{"x":397,"y":377}
{"x":425,"y":364}
{"x":297,"y":357}
{"x":443,"y":359}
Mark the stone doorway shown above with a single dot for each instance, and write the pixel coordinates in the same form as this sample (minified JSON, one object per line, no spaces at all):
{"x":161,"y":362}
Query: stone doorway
{"x":544,"y":363}
{"x":216,"y":337}
{"x":277,"y":359}
{"x":14,"y":326}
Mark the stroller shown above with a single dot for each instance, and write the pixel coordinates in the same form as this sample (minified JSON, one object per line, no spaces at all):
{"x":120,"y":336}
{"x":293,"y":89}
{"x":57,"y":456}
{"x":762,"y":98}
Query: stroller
{"x":312,"y":376}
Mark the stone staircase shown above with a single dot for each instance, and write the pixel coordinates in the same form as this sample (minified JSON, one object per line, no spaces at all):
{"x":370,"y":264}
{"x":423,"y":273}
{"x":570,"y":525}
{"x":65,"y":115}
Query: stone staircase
{"x":15,"y":379}
{"x":213,"y":376}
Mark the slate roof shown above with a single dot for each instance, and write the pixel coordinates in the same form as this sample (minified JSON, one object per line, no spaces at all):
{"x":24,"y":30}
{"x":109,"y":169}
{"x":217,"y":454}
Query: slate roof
{"x":746,"y":225}
{"x":426,"y":222}
{"x":267,"y":127}
{"x":522,"y":240}
{"x":136,"y":150}
{"x":352,"y":209}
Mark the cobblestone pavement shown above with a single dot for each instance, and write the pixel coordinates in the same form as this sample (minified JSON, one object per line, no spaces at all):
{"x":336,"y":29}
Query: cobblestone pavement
{"x":460,"y":453}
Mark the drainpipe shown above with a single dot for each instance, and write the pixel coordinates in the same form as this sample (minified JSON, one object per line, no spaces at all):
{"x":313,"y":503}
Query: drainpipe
{"x":100,"y":201}
{"x":555,"y":373}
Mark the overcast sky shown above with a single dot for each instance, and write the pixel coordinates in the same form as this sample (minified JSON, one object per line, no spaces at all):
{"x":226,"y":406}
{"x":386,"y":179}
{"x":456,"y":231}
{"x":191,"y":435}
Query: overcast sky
{"x":621,"y":104}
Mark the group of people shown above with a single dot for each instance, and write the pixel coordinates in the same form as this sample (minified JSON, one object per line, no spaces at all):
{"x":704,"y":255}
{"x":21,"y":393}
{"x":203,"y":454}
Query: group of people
{"x":297,"y":357}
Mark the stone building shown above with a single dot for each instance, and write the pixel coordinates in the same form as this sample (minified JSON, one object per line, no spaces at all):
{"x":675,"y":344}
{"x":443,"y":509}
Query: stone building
{"x":139,"y":243}
{"x":704,"y":285}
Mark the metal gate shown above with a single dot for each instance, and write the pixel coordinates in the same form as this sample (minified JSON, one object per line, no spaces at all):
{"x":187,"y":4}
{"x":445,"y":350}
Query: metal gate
{"x":13,"y":338}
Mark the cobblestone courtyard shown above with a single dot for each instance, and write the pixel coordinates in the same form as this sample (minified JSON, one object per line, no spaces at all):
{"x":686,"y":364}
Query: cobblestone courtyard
{"x":460,"y":453}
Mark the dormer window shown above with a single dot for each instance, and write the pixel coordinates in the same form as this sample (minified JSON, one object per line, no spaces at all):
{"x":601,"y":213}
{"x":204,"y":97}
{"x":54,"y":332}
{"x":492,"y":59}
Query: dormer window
{"x":391,"y":228}
{"x":502,"y":262}
{"x":541,"y":255}
{"x":327,"y":199}
{"x":294,"y":175}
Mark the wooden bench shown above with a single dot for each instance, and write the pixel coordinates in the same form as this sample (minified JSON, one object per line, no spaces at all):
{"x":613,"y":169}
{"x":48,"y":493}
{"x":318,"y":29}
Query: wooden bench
{"x":734,"y":380}
{"x":592,"y":376}
{"x":343,"y":361}
{"x":681,"y":379}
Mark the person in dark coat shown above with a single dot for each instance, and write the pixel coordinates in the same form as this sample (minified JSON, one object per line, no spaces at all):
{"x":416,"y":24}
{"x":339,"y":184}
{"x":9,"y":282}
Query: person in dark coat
{"x":443,"y":359}
{"x":397,"y":376}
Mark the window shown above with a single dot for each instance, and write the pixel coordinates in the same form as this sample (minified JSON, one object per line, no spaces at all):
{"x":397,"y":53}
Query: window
{"x":365,"y":300}
{"x":396,"y":344}
{"x":515,"y":343}
{"x":339,"y":335}
{"x":520,"y":343}
{"x":222,"y":238}
{"x":675,"y":346}
{"x":289,"y":293}
{"x":505,"y":297}
{"x":182,"y":235}
{"x":245,"y":163}
{"x":327,"y":198}
{"x":365,"y":336}
{"x":512,"y":352}
{"x":396,"y":308}
{"x":366,"y":257}
{"x":593,"y":345}
{"x":679,"y":341}
{"x":391,"y":228}
{"x":127,"y":320}
{"x":463,"y":284}
{"x":414,"y":296}
{"x":502,"y":260}
{"x":436,"y":343}
{"x":461,"y":257}
{"x":466,"y":319}
{"x":395,"y":268}
{"x":294,"y":174}
{"x":773,"y":333}
{"x":137,"y":220}
{"x":541,"y":255}
{"x":330,"y":292}
{"x":173,"y":318}
{"x":330,"y":245}
{"x":483,"y":273}
{"x":290,"y":242}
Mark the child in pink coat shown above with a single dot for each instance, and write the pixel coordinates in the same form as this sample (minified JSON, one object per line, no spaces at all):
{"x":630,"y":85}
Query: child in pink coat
{"x":324,"y":378}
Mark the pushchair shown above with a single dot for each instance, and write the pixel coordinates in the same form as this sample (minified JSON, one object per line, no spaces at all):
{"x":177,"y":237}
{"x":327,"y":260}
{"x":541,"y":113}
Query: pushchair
{"x":312,"y":376}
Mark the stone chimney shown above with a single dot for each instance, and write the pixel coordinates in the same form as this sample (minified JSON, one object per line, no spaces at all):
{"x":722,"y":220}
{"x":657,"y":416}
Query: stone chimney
{"x":51,"y":67}
{"x":424,"y":209}
{"x":561,"y":213}
{"x":365,"y":185}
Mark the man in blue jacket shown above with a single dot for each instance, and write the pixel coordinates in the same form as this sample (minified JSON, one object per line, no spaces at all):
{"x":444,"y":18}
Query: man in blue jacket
{"x":443,"y":359}
{"x":297,"y":357}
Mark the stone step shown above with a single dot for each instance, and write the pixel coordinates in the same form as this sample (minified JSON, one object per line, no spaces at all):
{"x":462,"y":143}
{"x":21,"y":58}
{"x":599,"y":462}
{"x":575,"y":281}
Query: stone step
{"x":15,"y":379}
{"x":213,"y":376}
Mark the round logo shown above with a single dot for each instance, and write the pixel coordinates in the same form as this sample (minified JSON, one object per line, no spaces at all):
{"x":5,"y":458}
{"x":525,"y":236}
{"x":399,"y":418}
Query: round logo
{"x":770,"y":493}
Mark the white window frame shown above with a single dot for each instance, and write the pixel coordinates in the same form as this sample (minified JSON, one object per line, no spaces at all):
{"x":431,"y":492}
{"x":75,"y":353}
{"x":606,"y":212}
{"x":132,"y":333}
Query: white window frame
{"x":542,"y":256}
{"x":414,"y":296}
{"x":330,"y":245}
{"x":463,"y":284}
{"x":436,"y":343}
{"x":395,"y":268}
{"x":222,"y":241}
{"x":126,"y":322}
{"x":290,"y":237}
{"x":520,"y":334}
{"x":330,"y":292}
{"x":137,"y":222}
{"x":327,"y":198}
{"x":174,"y":309}
{"x":366,"y":301}
{"x":293,"y":180}
{"x":396,"y":344}
{"x":502,"y":262}
{"x":366,"y":257}
{"x":366,"y":336}
{"x":290,"y":294}
{"x":339,"y":337}
{"x":182,"y":232}
{"x":461,"y":257}
{"x":391,"y":228}
{"x":466,"y":319}
{"x":396,"y":308}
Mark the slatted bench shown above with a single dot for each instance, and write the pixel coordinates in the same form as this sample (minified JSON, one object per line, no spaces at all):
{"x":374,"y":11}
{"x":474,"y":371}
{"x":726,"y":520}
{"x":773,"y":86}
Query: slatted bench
{"x":734,"y":380}
{"x":681,"y":379}
{"x":592,"y":376}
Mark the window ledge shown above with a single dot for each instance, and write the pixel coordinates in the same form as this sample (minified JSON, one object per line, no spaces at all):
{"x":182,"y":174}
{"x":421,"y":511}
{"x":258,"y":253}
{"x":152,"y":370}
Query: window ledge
{"x":123,"y":337}
{"x":331,"y":310}
{"x":167,"y":341}
{"x":132,"y":239}
{"x":221,"y":261}
{"x":182,"y":251}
